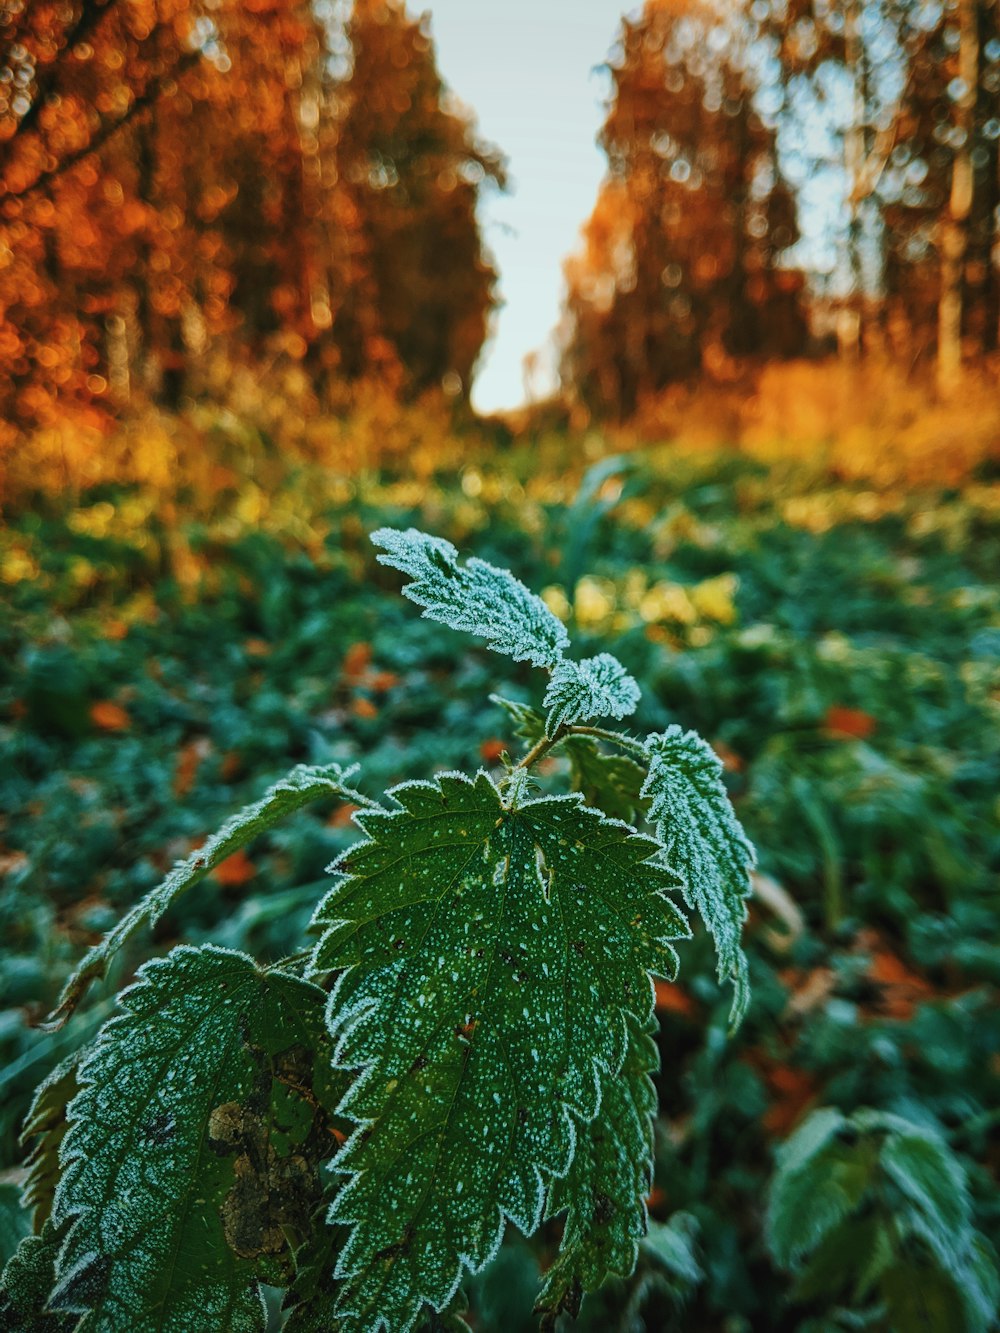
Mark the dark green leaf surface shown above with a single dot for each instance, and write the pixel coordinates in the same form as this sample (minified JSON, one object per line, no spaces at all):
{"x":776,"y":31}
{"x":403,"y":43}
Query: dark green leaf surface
{"x":604,"y":1191}
{"x":193,"y":1144}
{"x":494,"y":957}
{"x":26,"y":1284}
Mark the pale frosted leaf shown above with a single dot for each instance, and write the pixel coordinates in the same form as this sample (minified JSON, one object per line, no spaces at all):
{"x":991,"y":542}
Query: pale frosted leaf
{"x":490,"y":960}
{"x":704,"y":843}
{"x":671,"y":1244}
{"x":820,"y":1180}
{"x":932,"y":1179}
{"x":475,"y":597}
{"x":303,"y":785}
{"x":605,"y":1189}
{"x":597,"y":687}
{"x":193,"y":1145}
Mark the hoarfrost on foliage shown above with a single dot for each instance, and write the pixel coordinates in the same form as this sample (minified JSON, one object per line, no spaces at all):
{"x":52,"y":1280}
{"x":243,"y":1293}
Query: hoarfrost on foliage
{"x":597,"y":687}
{"x":604,"y":1192}
{"x":475,"y":597}
{"x":705,"y":844}
{"x":155,"y":1238}
{"x":492,"y":958}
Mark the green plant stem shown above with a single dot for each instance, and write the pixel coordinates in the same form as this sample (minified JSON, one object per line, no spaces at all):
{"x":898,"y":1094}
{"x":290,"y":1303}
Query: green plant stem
{"x":540,"y":749}
{"x":613,"y":737}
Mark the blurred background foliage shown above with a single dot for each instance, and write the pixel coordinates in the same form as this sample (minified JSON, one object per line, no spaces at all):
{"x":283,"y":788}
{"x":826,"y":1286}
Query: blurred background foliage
{"x":838,"y":645}
{"x":243,"y":294}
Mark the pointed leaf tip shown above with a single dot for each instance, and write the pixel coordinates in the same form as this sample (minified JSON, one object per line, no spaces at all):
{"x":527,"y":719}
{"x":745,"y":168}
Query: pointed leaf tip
{"x":705,"y":845}
{"x":476,"y":597}
{"x":597,"y":687}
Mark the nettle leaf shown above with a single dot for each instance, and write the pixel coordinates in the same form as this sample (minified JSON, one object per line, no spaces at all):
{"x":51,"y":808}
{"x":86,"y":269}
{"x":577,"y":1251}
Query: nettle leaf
{"x":597,"y":687}
{"x":491,"y":959}
{"x":604,"y":1191}
{"x":672,"y":1245}
{"x":45,"y":1128}
{"x":930,"y":1176}
{"x":475,"y":597}
{"x":26,"y":1284}
{"x":302,"y":786}
{"x":705,"y":844}
{"x":194,"y":1143}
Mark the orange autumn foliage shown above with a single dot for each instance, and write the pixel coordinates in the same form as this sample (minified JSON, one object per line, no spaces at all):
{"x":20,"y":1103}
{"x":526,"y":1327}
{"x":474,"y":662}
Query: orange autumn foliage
{"x":235,"y":870}
{"x":109,"y":716}
{"x":852,"y":722}
{"x":180,"y":179}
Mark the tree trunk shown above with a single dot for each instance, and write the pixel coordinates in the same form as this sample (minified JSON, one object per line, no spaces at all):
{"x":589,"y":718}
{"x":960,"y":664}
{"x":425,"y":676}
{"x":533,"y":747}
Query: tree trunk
{"x":955,"y":226}
{"x":849,"y":316}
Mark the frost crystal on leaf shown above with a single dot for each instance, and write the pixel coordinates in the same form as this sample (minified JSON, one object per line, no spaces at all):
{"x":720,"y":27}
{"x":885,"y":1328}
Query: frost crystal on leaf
{"x":476,"y":597}
{"x":598,"y":687}
{"x":605,"y":1189}
{"x":192,"y":1145}
{"x":492,"y":959}
{"x":705,"y":844}
{"x":303,"y":785}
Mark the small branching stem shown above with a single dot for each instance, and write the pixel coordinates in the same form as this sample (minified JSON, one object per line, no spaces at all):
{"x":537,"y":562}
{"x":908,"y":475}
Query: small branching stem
{"x":539,"y":750}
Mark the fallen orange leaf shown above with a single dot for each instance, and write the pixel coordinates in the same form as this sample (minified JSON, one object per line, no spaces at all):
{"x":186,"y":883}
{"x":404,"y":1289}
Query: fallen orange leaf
{"x":341,"y":817}
{"x":235,"y":870}
{"x":849,"y":721}
{"x":671,"y":999}
{"x":382,"y":681}
{"x":356,"y":660}
{"x":109,"y":716}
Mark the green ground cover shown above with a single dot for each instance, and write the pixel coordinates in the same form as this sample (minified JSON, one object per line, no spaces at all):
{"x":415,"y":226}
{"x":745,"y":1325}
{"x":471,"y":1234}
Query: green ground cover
{"x":160,"y":665}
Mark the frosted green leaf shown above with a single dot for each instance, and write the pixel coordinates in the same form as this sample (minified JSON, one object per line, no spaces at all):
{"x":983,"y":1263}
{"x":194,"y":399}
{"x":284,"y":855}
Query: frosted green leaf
{"x":597,"y":687}
{"x":25,"y":1286}
{"x":475,"y":597}
{"x":604,"y":1191}
{"x":193,"y":1146}
{"x":705,"y":844}
{"x":45,"y":1128}
{"x":303,"y":785}
{"x":490,"y":960}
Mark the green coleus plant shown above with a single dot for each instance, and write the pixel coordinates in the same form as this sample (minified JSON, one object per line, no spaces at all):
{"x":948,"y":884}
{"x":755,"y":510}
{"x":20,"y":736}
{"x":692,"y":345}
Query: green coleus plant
{"x":466,"y":1044}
